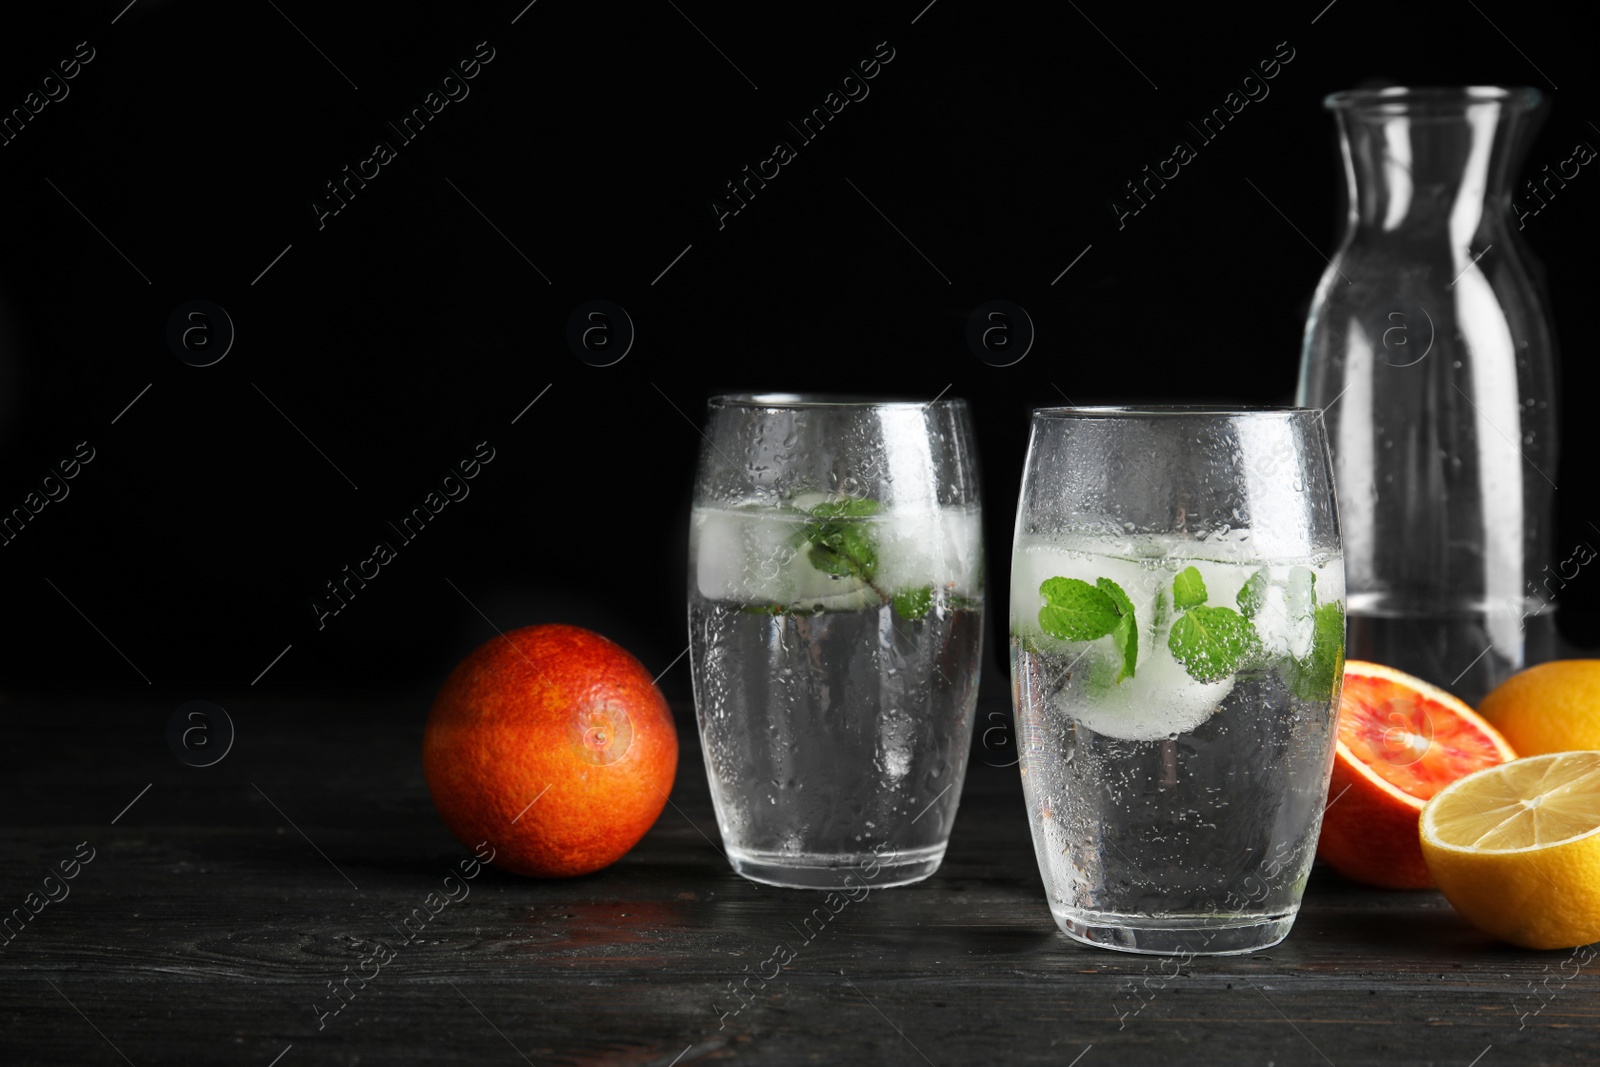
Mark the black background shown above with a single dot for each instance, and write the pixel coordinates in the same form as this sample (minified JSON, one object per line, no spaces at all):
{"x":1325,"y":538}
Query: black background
{"x":410,"y":327}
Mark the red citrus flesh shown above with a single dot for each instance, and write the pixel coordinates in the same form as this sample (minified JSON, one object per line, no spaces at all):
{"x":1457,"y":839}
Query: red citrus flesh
{"x":1401,"y":740}
{"x":1414,"y":742}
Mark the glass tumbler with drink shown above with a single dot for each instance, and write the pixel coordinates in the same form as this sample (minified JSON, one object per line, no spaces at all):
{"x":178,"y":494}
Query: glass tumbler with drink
{"x":1177,"y":638}
{"x":835,"y":621}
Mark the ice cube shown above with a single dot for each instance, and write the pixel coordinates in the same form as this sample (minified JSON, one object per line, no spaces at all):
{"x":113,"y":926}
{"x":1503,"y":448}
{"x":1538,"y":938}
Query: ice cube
{"x":1300,"y":592}
{"x":718,"y":555}
{"x":745,"y":555}
{"x":908,"y":548}
{"x":1300,"y":605}
{"x":962,"y":533}
{"x":1160,"y":700}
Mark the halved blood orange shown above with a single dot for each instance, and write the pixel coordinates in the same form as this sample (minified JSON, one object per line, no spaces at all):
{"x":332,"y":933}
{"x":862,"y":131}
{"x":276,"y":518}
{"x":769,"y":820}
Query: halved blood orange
{"x":1401,"y":740}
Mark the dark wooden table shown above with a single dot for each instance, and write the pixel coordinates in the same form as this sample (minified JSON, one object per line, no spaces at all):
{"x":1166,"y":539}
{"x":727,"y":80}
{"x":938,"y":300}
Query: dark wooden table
{"x":222,"y":903}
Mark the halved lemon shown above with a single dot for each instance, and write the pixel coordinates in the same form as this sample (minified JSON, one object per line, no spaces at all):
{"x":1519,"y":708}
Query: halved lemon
{"x":1516,"y":849}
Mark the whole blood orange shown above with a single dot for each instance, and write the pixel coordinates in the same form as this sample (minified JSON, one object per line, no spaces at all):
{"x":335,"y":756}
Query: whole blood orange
{"x":553,"y":745}
{"x":1401,"y":740}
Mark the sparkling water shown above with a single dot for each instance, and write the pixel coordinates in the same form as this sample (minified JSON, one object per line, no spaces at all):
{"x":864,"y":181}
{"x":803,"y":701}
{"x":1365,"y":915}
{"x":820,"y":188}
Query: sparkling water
{"x":1173,"y":813}
{"x":835,"y":692}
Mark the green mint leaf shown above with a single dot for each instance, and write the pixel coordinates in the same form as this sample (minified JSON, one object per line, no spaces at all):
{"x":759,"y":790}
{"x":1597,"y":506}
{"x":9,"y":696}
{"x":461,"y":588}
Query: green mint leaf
{"x":1118,"y":597}
{"x":828,"y":560}
{"x":1126,"y":638}
{"x":843,"y":549}
{"x":913,"y":604}
{"x":1074,"y":610}
{"x":1253,"y":595}
{"x":1312,"y":678}
{"x":1188,"y":589}
{"x":1211,"y":643}
{"x":852,"y":556}
{"x":1126,"y":633}
{"x":857,"y":544}
{"x":848,"y":508}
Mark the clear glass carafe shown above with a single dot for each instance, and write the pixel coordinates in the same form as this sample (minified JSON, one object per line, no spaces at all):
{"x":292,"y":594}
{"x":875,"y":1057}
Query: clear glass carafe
{"x":1429,"y":346}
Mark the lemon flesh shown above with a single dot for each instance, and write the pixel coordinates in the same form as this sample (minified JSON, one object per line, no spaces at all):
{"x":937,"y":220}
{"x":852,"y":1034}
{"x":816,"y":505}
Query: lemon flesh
{"x":1516,"y":849}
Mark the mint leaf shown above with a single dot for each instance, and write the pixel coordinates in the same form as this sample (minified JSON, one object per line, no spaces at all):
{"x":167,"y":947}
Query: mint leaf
{"x":1118,"y":597}
{"x":858,"y":545}
{"x":1211,"y":643}
{"x":843,"y":549}
{"x":913,"y":604}
{"x":848,"y":508}
{"x":1312,"y":678}
{"x":1188,"y":589}
{"x":1253,"y":595}
{"x":830,"y":560}
{"x":1074,"y":610}
{"x":1125,"y":635}
{"x":1126,"y":638}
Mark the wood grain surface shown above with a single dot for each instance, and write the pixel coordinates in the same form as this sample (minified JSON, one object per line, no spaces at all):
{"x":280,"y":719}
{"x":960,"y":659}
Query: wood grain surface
{"x":221,"y":906}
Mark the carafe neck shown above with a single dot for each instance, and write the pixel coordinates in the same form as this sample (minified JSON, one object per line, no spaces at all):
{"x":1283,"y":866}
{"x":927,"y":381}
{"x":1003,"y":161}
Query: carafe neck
{"x":1439,"y":162}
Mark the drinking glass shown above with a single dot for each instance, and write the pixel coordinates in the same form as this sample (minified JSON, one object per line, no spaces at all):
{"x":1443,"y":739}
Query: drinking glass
{"x":1177,"y":637}
{"x":836,"y":625}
